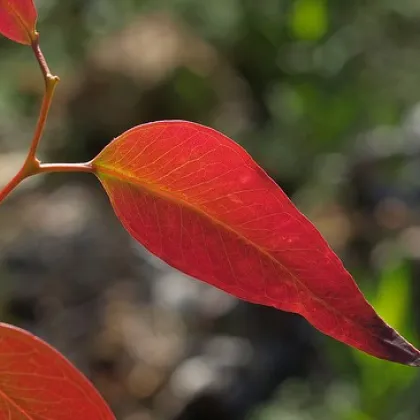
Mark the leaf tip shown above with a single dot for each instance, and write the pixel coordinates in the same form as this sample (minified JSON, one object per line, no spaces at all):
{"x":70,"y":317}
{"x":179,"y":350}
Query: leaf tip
{"x":401,"y":351}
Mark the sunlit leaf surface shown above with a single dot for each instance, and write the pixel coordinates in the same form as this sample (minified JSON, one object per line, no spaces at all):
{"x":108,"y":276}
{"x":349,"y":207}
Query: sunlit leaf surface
{"x":197,"y":200}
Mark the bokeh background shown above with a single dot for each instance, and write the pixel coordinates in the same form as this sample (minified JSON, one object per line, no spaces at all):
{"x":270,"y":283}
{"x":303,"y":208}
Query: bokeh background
{"x":324,"y":94}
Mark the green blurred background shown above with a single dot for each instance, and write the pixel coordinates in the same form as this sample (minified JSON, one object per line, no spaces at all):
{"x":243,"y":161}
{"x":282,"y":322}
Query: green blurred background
{"x":325,"y":96}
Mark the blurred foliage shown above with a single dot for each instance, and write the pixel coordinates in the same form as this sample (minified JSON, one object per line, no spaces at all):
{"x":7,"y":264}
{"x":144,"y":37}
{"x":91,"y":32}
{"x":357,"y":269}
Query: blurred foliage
{"x":324,"y":94}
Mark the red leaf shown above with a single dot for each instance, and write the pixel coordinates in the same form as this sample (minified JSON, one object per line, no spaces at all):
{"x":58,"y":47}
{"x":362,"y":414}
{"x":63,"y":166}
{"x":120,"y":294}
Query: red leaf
{"x":197,"y":200}
{"x":37,"y":382}
{"x":18,"y":20}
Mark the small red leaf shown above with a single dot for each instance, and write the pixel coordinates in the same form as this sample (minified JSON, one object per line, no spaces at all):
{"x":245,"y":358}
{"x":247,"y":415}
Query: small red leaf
{"x":17,"y":20}
{"x":37,"y":382}
{"x":197,"y":200}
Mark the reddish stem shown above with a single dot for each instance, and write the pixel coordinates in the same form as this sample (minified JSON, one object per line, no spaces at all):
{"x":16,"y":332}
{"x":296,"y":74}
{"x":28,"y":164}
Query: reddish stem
{"x":50,"y":83}
{"x":32,"y":165}
{"x":36,"y":167}
{"x":16,"y":180}
{"x":41,"y":59}
{"x":64,"y":167}
{"x":28,"y":169}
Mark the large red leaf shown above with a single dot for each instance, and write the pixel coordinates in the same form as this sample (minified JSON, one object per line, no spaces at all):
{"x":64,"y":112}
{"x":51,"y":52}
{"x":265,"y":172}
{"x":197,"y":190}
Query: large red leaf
{"x":38,"y":383}
{"x":197,"y":200}
{"x":18,"y":20}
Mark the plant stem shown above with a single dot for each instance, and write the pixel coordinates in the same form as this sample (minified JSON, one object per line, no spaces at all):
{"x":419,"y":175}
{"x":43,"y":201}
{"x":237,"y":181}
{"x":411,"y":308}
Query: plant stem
{"x":36,"y":167}
{"x":32,"y":166}
{"x":41,"y":59}
{"x":17,"y":179}
{"x":64,"y":167}
{"x":24,"y":172}
{"x":50,"y":83}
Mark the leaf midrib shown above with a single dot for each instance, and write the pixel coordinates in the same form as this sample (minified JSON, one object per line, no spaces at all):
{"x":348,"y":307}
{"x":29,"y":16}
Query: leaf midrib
{"x":151,"y":187}
{"x":122,"y":176}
